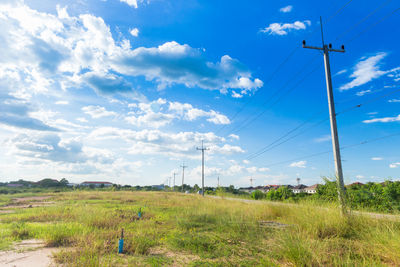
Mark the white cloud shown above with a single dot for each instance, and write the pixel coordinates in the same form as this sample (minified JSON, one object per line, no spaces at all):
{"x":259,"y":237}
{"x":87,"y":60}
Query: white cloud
{"x":284,"y":28}
{"x":81,"y":119}
{"x":62,"y":102}
{"x":98,"y":112}
{"x":394,"y":101}
{"x":286,"y":9}
{"x":155,"y":142}
{"x":233,"y":137}
{"x":132,"y":3}
{"x":376,"y":158}
{"x":161,"y":112}
{"x":366,"y":70}
{"x":62,"y":51}
{"x":361,"y":93}
{"x":299,"y":164}
{"x":360,"y":176}
{"x":134,"y":32}
{"x":323,"y":138}
{"x":386,"y":119}
{"x":341,"y":72}
{"x":394,"y":165}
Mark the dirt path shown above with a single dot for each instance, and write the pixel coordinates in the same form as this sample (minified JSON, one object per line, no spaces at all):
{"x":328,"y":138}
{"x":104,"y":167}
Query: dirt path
{"x":28,"y":253}
{"x":364,"y":213}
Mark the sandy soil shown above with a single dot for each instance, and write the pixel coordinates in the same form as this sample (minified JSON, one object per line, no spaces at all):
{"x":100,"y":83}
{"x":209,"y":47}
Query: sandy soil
{"x":28,"y":253}
{"x":26,"y":199}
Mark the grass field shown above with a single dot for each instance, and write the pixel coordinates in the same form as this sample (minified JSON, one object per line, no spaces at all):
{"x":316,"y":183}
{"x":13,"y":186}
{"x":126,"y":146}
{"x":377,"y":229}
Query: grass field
{"x":188,"y":230}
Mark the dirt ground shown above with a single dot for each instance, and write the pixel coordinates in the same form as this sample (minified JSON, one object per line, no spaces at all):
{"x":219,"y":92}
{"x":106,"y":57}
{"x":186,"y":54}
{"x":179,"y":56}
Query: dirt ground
{"x":28,"y":253}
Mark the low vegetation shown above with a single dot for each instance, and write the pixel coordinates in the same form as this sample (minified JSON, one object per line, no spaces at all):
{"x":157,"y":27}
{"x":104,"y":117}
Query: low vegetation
{"x":381,"y":197}
{"x":188,"y":230}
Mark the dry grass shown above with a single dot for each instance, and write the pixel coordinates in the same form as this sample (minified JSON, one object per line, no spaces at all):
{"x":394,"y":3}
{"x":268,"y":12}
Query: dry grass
{"x":188,"y":230}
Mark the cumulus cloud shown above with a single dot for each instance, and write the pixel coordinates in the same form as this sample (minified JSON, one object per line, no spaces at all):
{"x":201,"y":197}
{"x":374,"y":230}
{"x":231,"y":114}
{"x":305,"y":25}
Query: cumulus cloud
{"x":51,"y":147}
{"x":284,"y":28}
{"x":161,"y":112}
{"x":286,"y":9}
{"x":17,"y":112}
{"x":98,"y":112}
{"x":63,"y":51}
{"x":156,"y":142}
{"x":299,"y":164}
{"x":134,"y":32}
{"x":386,"y":119}
{"x":366,"y":70}
{"x":394,"y":165}
{"x":376,"y":158}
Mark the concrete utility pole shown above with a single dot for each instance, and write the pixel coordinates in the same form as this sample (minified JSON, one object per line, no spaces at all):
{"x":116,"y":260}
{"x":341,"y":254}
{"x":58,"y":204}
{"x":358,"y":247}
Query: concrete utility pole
{"x":202,"y":148}
{"x":251,"y":180}
{"x":334,"y":132}
{"x":183,"y":174}
{"x":174,"y":180}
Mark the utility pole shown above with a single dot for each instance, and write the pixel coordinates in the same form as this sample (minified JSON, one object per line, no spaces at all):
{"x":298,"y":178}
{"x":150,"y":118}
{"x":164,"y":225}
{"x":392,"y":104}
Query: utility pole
{"x":174,"y":180}
{"x":334,"y":132}
{"x":251,"y":180}
{"x":183,"y":174}
{"x":218,"y":181}
{"x":202,"y":148}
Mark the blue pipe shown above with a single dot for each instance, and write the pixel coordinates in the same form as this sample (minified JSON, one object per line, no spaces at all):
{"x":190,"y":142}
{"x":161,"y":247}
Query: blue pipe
{"x":121,"y":246}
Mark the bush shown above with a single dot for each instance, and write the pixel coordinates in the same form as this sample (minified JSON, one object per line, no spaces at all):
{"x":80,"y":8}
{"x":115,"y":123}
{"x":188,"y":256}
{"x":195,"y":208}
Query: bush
{"x":257,"y":195}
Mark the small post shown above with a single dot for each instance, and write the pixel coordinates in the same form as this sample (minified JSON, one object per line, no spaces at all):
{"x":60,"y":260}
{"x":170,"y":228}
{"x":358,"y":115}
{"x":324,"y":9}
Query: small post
{"x":121,"y":242}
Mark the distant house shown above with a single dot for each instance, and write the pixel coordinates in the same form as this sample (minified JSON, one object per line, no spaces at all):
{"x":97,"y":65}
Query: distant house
{"x":299,"y":188}
{"x":356,"y":184}
{"x":247,"y":189}
{"x":311,"y":189}
{"x":96,"y":184}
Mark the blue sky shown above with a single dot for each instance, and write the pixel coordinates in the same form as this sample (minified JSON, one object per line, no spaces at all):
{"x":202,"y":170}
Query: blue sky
{"x":124,"y":90}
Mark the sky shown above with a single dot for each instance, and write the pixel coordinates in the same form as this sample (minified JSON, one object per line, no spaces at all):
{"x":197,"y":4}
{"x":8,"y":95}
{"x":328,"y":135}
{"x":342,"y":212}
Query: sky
{"x":126,"y":90}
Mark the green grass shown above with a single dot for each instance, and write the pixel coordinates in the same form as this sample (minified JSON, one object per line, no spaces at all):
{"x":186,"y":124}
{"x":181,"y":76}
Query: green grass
{"x":188,"y":230}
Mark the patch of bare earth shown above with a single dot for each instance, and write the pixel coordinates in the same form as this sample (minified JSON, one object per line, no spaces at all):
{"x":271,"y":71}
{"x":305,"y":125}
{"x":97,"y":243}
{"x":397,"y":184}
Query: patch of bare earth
{"x":26,"y":202}
{"x":179,"y":258}
{"x":28,"y":253}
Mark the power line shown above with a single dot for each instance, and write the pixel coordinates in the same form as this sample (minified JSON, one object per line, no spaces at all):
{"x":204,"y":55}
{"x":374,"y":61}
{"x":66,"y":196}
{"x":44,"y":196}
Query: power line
{"x":329,"y":151}
{"x":249,"y":121}
{"x":277,"y":70}
{"x":363,"y":19}
{"x":272,"y":146}
{"x":266,"y":148}
{"x":375,"y":24}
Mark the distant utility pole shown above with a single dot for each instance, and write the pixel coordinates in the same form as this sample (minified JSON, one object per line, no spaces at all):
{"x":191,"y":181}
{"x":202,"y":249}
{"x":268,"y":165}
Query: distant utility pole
{"x":174,"y":180}
{"x":334,"y":132}
{"x":183,"y":173}
{"x":251,"y":180}
{"x":218,"y":181}
{"x":202,"y":148}
{"x":169,"y":182}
